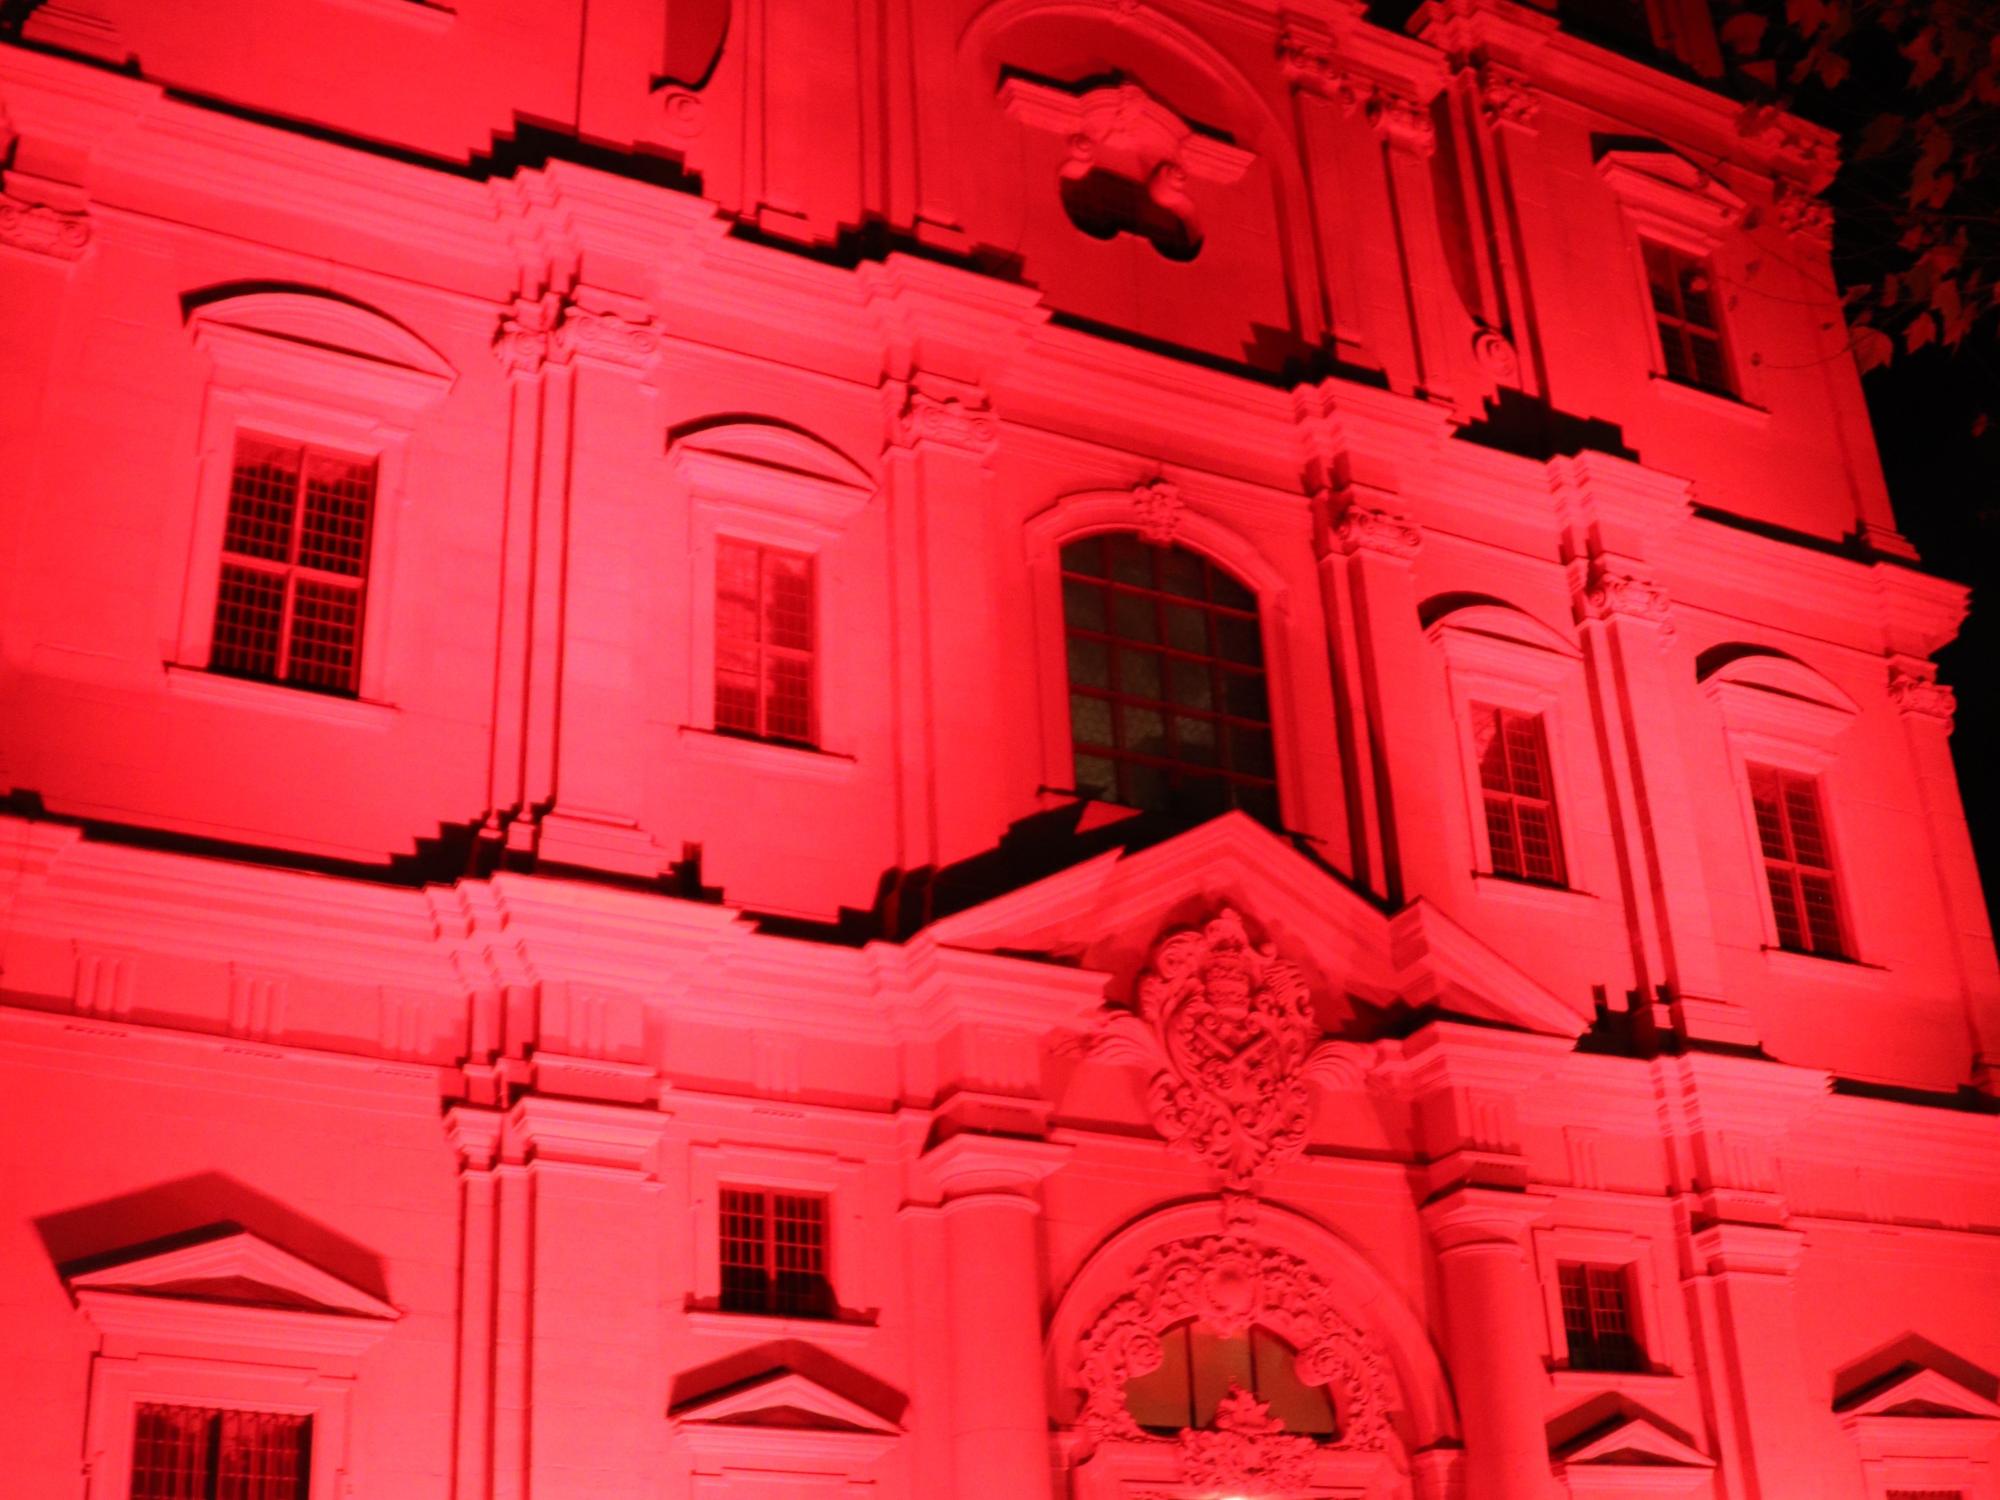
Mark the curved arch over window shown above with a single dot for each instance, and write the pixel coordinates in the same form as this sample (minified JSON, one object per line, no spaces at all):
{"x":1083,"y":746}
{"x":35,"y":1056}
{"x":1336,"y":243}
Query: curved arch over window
{"x":1169,"y":699}
{"x":1199,"y":1367}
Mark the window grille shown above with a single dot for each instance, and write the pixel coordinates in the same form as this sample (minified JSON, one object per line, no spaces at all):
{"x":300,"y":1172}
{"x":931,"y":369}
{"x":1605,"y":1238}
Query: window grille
{"x":1597,"y":1318}
{"x":764,"y":643}
{"x":1684,"y":310}
{"x":294,"y":566}
{"x":1798,"y":864}
{"x":774,"y":1253}
{"x":1169,"y":703}
{"x":1521,"y":833}
{"x":211,"y":1453}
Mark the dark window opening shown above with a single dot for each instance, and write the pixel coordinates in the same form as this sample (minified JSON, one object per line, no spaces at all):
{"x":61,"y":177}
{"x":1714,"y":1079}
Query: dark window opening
{"x":1798,"y":862}
{"x":1519,"y":794}
{"x":1198,"y":1367}
{"x":1597,"y":1318}
{"x":1169,"y":704}
{"x":209,"y":1453}
{"x":773,"y":1254}
{"x":1690,"y":325}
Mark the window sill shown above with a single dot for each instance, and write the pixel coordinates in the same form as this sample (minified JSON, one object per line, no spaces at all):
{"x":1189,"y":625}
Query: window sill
{"x":1823,"y":966}
{"x":1657,"y":1381}
{"x":1715,"y":403}
{"x":1527,"y":892}
{"x":740,"y":750}
{"x":275,"y":697}
{"x":845,"y":1332}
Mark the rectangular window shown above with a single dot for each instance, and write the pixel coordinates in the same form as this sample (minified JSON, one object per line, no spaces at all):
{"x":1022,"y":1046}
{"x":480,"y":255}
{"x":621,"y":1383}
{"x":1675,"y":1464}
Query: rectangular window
{"x":294,"y":566}
{"x":1798,"y":863}
{"x":774,"y":1253}
{"x":1597,"y":1318}
{"x":210,"y":1453}
{"x":1519,"y":794}
{"x":1684,"y":309}
{"x":764,"y":642}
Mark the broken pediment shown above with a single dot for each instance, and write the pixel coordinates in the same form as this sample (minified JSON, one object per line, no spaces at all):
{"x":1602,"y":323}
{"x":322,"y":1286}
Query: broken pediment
{"x":1109,"y":911}
{"x":1665,"y":192}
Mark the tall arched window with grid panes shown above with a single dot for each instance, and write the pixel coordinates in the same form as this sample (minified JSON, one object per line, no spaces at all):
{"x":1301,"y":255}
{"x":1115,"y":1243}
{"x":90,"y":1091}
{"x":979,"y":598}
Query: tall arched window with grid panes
{"x":1169,"y":701}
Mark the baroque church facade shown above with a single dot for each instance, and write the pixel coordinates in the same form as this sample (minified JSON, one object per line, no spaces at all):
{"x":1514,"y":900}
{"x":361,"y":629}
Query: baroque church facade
{"x":1052,"y":749}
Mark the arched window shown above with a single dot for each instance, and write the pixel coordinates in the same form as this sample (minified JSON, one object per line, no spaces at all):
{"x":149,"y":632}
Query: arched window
{"x":1198,"y":1367}
{"x":1169,"y":705}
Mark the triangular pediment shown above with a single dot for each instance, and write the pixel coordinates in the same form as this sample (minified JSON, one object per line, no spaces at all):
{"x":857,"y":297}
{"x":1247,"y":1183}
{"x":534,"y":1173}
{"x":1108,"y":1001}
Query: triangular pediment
{"x":236,"y":1269}
{"x":785,"y":1400}
{"x":1632,"y":1441}
{"x":1106,"y":911}
{"x":1920,"y":1392}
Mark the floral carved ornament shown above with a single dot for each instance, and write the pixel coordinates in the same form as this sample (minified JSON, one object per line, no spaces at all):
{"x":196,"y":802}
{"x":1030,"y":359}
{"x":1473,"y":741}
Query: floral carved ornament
{"x":1228,"y":1284}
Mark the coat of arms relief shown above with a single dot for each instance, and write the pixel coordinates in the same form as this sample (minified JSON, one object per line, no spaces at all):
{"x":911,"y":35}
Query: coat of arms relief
{"x":1230,"y":1036}
{"x":1228,"y":1029}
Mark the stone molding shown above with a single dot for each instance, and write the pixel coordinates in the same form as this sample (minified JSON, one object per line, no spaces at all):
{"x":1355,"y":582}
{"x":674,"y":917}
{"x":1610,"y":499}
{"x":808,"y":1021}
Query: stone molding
{"x":549,"y":330}
{"x":1157,"y":509}
{"x":1605,"y":590}
{"x":1916,"y":692}
{"x":960,"y":417}
{"x":1361,"y":528}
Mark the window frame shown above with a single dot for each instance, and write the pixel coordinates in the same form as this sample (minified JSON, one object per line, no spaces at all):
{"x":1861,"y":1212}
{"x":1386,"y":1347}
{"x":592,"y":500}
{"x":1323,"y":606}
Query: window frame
{"x":768,"y":1221}
{"x":850,"y":1256}
{"x":1591,"y":1273}
{"x":1078,"y":515}
{"x":1213,"y":659}
{"x":1704,"y":262}
{"x":292,"y":571}
{"x":1648,"y":1264}
{"x":763,"y":649}
{"x":1497,"y":657}
{"x":1781,"y":714}
{"x":740,"y":499}
{"x":1558,"y":879}
{"x":314,"y":372}
{"x":1843,"y":949}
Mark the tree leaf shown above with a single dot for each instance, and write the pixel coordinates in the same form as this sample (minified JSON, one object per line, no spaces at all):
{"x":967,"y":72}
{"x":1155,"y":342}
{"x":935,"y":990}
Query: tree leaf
{"x":1743,"y":34}
{"x":1922,"y":331}
{"x":1764,"y":72}
{"x":1921,"y":50}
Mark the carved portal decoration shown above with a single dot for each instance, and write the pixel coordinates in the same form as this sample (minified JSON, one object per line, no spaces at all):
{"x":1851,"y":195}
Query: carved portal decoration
{"x":1247,"y":1452}
{"x":1131,"y":163}
{"x":1228,"y":1030}
{"x":1229,"y":1284}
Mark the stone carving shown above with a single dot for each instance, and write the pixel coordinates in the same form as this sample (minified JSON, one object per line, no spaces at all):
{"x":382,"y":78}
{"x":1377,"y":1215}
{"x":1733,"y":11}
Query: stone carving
{"x":1403,"y":122}
{"x":962,"y":420}
{"x":1360,"y":528}
{"x":1497,"y":357}
{"x":44,"y":230}
{"x":1607,"y":591}
{"x":521,"y":343}
{"x":1158,"y":507}
{"x":1811,"y":153}
{"x":606,"y":336}
{"x":1915,"y":692}
{"x":1247,"y":1452}
{"x":1505,"y":96}
{"x":1228,"y":1284}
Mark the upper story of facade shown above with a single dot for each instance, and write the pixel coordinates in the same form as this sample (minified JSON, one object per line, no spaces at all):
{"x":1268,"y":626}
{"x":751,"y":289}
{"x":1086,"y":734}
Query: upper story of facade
{"x":1438,"y":446}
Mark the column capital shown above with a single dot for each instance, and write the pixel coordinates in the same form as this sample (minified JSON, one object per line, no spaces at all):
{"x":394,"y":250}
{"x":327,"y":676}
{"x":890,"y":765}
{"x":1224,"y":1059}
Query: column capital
{"x":929,"y":409}
{"x":475,"y":1133}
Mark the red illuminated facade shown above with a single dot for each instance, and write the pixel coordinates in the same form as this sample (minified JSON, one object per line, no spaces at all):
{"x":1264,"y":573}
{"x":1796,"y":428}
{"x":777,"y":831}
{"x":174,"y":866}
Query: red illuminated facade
{"x":1051,"y":749}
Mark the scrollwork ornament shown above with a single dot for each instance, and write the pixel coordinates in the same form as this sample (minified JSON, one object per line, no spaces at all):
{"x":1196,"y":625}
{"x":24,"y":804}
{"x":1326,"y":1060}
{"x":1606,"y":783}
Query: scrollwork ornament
{"x":964,"y":422}
{"x":1361,"y":528}
{"x":42,"y":229}
{"x":1228,"y":1284}
{"x":606,"y":336}
{"x":1803,"y":215}
{"x":1157,"y":510}
{"x":1922,"y":695}
{"x":1610,"y":592}
{"x":1247,"y":1452}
